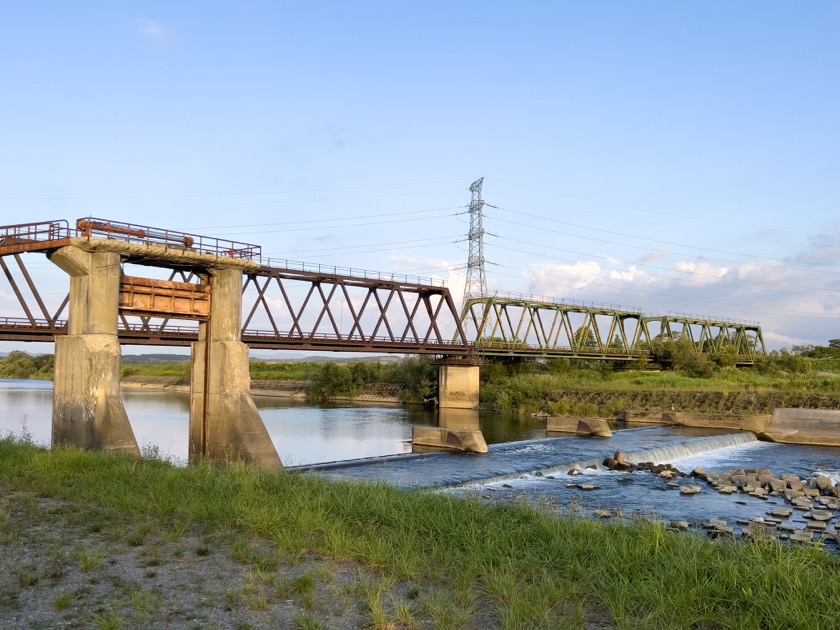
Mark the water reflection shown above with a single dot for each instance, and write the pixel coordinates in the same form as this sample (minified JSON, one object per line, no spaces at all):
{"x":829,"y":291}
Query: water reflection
{"x":464,"y":419}
{"x":302,"y":433}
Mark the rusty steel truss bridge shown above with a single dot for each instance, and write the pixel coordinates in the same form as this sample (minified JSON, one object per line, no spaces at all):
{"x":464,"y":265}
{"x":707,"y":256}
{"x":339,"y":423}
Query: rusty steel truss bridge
{"x":299,"y":306}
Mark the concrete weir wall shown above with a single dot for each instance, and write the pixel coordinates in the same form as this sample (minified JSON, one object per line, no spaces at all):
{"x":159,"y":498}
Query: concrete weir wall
{"x":820,"y":427}
{"x":804,"y":426}
{"x":757,"y":423}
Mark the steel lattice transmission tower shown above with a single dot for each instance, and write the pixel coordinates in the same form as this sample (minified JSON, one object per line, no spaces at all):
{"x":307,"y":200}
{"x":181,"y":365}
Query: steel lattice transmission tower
{"x":476,"y":279}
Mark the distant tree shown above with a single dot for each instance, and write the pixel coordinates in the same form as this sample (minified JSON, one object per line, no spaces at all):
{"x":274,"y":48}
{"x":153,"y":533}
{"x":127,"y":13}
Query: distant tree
{"x":18,"y":364}
{"x":585,"y":338}
{"x":834,"y":343}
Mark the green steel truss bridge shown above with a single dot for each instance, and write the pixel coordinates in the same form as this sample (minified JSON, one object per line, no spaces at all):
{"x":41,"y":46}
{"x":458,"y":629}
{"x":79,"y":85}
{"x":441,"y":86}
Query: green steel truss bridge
{"x":528,"y":326}
{"x":297,"y":306}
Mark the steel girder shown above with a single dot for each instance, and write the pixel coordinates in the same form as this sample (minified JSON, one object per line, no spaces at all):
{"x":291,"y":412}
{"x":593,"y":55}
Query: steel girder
{"x":311,"y":309}
{"x":520,"y":327}
{"x":707,"y":335}
{"x":282,"y":308}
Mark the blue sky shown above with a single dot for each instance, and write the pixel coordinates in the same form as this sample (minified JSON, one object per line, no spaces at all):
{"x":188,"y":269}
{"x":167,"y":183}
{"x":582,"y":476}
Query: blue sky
{"x":675,"y":157}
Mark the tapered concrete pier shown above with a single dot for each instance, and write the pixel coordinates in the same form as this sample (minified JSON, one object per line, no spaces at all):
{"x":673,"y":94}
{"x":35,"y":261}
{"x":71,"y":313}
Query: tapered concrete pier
{"x":225,"y":424}
{"x":87,"y":409}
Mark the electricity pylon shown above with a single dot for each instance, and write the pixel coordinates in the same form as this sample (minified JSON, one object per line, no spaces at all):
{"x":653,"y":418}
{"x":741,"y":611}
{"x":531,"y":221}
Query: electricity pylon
{"x":476,"y":279}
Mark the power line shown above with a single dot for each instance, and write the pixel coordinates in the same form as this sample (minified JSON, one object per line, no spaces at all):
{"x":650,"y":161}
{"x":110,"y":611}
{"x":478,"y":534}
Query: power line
{"x":730,"y":280}
{"x":831,"y":268}
{"x":753,"y":309}
{"x":346,"y":218}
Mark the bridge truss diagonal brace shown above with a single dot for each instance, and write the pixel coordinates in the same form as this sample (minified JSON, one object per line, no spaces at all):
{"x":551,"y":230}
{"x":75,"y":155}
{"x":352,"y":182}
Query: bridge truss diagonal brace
{"x":384,"y":315}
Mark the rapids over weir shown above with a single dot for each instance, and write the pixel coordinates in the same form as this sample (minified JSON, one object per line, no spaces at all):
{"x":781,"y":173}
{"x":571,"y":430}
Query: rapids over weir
{"x":568,"y":476}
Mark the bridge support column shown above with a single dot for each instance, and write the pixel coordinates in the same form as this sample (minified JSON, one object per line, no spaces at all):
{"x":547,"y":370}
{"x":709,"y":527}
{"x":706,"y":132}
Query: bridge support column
{"x":458,"y":387}
{"x":225,"y":424}
{"x":87,"y":409}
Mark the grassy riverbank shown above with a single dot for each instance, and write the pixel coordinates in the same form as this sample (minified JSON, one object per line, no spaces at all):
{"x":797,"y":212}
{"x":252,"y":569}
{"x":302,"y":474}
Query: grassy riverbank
{"x":560,"y":388}
{"x":97,"y":539}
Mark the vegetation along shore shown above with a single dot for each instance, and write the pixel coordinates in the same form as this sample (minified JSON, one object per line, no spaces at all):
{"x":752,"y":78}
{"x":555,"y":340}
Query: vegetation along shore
{"x":802,"y":377}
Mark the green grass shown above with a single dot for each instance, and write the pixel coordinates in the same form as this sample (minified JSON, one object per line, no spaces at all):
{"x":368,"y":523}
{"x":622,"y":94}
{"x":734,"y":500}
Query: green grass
{"x":596,"y":391}
{"x":180,"y":369}
{"x":462,"y":559}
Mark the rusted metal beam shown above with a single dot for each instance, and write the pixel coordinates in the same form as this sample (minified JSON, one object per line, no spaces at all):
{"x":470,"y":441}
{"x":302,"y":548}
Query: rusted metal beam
{"x":181,"y":300}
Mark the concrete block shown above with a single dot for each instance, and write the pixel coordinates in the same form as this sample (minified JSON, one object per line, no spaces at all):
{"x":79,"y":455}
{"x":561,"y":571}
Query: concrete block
{"x":580,"y":426}
{"x":639,"y":417}
{"x":471,"y":441}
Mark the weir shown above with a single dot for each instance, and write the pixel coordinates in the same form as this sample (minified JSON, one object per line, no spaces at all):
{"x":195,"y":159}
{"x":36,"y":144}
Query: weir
{"x":509,"y":461}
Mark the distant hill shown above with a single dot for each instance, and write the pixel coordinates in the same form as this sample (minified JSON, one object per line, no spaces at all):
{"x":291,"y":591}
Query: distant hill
{"x":317,"y":358}
{"x":155,"y":358}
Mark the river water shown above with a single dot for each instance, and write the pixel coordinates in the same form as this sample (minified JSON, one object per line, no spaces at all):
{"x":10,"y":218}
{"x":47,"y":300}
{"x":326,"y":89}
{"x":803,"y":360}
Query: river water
{"x":523,"y":463}
{"x":302,"y":433}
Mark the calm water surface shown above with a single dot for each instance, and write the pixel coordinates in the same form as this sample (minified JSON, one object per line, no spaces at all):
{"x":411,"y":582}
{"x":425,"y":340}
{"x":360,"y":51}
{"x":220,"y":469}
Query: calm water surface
{"x":302,"y":433}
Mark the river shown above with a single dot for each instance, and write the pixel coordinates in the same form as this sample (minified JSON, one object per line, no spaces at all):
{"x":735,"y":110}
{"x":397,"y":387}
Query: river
{"x":302,"y":433}
{"x":522,"y":463}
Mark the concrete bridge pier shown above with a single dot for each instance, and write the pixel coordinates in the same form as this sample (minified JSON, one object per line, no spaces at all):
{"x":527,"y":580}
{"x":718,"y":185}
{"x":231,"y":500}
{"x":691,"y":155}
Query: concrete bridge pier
{"x":225,"y":424}
{"x":458,"y":386}
{"x":87,"y":409}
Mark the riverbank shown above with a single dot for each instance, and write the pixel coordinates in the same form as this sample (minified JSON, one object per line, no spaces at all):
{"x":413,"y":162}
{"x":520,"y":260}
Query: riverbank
{"x":95,"y":539}
{"x":292,"y":389}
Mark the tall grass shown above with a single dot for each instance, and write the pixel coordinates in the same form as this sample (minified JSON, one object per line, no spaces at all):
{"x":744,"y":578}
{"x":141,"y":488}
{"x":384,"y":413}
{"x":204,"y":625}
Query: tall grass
{"x":527,"y":567}
{"x":597,"y":391}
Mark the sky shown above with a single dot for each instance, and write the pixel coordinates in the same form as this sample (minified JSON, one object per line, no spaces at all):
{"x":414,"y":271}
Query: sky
{"x":662,"y":156}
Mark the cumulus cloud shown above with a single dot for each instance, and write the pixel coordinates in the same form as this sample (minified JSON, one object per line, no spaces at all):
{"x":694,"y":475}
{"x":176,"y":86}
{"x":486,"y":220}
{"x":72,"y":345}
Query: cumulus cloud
{"x":775,"y":340}
{"x":700,"y":273}
{"x":631,"y":275}
{"x":578,"y":275}
{"x":453,"y":276}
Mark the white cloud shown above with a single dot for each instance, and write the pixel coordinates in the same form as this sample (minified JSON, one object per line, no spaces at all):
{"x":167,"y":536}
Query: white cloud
{"x":631,"y":275}
{"x":454,"y":276}
{"x":700,"y":273}
{"x":577,"y":276}
{"x":776,"y":340}
{"x":153,"y":30}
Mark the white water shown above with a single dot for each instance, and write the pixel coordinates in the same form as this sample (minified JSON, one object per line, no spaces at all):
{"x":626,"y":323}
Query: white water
{"x":670,"y":453}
